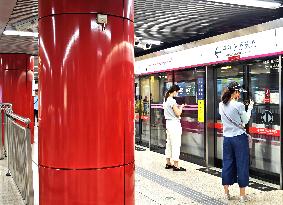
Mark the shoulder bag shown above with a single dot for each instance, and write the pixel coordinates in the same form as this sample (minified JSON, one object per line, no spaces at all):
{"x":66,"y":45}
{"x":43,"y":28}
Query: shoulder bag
{"x":240,"y":126}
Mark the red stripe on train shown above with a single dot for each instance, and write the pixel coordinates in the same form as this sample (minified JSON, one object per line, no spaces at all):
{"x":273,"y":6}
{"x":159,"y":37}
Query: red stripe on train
{"x":255,"y":130}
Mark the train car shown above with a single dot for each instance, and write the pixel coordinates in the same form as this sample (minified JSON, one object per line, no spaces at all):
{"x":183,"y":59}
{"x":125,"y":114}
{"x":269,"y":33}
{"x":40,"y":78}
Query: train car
{"x":202,"y":69}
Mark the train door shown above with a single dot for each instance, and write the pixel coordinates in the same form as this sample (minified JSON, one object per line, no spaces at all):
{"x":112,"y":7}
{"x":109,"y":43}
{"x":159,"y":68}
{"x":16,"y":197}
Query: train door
{"x":142,"y":111}
{"x":192,"y":94}
{"x":264,"y":125}
{"x":225,"y":75}
{"x":159,"y":84}
{"x":261,"y":79}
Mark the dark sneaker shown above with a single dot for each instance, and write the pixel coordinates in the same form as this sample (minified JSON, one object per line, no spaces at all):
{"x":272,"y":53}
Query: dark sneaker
{"x":178,"y":169}
{"x":169,"y":166}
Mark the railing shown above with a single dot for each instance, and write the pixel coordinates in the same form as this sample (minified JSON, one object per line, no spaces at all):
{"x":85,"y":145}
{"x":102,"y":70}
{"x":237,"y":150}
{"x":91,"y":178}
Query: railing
{"x":17,"y":146}
{"x":3,"y":108}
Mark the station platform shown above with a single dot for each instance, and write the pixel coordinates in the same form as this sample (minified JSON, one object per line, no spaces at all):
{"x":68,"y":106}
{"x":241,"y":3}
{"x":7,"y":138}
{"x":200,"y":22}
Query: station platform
{"x":155,"y":185}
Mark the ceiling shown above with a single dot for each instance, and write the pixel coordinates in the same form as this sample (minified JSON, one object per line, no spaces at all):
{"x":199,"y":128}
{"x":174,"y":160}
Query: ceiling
{"x":22,"y":16}
{"x":173,"y":22}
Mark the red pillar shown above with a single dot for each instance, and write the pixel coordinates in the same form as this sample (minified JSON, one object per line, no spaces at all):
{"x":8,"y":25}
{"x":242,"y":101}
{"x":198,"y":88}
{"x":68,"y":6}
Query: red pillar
{"x":86,"y":147}
{"x":16,"y":83}
{"x":1,"y":99}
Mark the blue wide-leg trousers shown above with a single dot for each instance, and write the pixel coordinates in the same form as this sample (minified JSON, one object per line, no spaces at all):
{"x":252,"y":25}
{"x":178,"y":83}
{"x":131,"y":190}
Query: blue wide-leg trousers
{"x":236,"y":160}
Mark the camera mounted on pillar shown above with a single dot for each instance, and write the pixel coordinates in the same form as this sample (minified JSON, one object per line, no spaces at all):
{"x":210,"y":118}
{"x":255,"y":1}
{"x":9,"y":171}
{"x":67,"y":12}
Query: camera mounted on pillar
{"x":102,"y":19}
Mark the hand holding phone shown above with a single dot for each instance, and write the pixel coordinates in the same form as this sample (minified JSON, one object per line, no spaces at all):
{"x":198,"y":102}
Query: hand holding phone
{"x":251,"y":104}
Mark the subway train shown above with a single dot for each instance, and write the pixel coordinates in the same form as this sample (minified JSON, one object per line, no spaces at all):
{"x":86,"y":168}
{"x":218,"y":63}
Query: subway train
{"x":202,"y":72}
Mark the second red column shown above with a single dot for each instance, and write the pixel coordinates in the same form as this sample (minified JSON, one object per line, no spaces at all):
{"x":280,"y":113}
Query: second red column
{"x":16,"y":75}
{"x":86,"y":147}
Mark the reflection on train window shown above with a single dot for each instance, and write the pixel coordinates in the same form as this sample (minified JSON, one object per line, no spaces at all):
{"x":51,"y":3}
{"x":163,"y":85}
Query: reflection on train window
{"x":143,"y":111}
{"x":192,"y":94}
{"x":225,"y":75}
{"x":159,"y":84}
{"x":265,"y":122}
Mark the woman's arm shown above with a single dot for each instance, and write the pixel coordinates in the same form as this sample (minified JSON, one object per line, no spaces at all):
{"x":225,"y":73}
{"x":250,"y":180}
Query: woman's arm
{"x":245,"y":116}
{"x":178,"y":111}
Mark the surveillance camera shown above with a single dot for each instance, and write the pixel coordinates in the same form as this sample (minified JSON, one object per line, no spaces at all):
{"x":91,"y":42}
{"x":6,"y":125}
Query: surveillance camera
{"x":147,"y":46}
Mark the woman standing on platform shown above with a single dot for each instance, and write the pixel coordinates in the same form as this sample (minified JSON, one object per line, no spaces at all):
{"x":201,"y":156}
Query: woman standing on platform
{"x":172,"y":113}
{"x":236,"y":142}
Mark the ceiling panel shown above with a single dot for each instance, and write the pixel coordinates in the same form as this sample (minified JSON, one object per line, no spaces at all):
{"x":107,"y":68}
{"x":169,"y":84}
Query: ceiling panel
{"x":177,"y":22}
{"x":173,"y":22}
{"x":16,"y":44}
{"x":6,"y":8}
{"x":23,"y":18}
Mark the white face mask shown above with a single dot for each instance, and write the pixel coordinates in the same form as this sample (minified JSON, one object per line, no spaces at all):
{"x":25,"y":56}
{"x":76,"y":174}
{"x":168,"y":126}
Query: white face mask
{"x":176,"y":94}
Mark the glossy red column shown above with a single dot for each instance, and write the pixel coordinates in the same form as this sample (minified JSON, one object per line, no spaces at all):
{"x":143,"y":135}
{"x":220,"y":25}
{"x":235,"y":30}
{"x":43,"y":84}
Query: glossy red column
{"x":16,"y":83}
{"x":86,"y":147}
{"x":1,"y":100}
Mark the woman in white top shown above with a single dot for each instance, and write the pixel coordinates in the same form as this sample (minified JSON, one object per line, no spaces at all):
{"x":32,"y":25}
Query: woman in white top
{"x":172,"y":113}
{"x":235,"y":145}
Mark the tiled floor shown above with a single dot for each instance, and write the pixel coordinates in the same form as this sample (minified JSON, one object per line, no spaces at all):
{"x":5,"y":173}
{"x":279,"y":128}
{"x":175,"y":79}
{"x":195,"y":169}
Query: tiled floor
{"x":35,"y":167}
{"x":197,"y":182}
{"x":157,"y":186}
{"x":9,"y":194}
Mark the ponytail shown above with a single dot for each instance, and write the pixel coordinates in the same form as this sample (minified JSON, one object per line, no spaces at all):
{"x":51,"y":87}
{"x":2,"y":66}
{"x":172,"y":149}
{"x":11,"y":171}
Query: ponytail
{"x":172,"y":89}
{"x":226,"y":96}
{"x":167,"y":95}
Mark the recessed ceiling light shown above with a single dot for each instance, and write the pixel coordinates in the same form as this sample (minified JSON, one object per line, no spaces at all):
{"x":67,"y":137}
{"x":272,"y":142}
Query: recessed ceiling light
{"x":253,"y":3}
{"x":192,"y":32}
{"x":226,"y":67}
{"x":19,"y":33}
{"x":152,"y":42}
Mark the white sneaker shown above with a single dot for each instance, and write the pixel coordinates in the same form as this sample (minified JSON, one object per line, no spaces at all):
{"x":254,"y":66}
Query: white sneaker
{"x":244,"y":199}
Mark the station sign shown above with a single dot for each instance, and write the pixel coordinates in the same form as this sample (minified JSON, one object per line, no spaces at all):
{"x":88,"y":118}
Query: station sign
{"x":267,"y":117}
{"x":234,"y":58}
{"x":243,"y":47}
{"x":267,"y":96}
{"x":200,"y":84}
{"x":186,"y":89}
{"x":201,"y":109}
